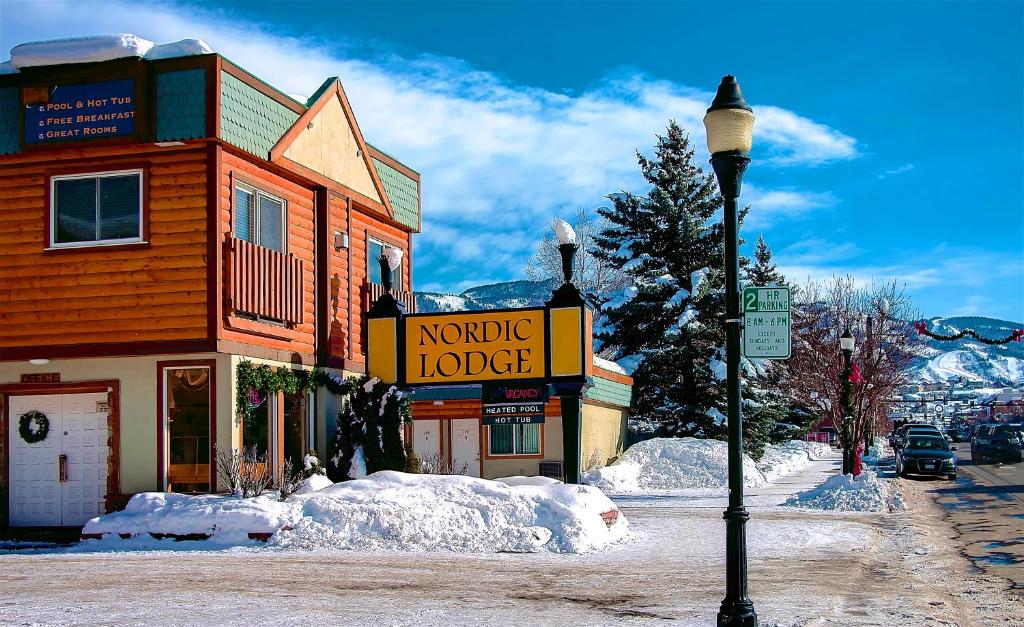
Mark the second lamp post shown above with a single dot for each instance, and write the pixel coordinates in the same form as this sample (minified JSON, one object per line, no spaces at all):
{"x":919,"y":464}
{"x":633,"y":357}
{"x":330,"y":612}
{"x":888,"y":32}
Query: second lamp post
{"x":846,"y":345}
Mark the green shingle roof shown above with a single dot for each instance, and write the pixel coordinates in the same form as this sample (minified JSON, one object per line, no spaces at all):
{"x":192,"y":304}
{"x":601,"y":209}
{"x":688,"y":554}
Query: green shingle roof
{"x":9,"y":120}
{"x":181,"y":105}
{"x":609,"y":391}
{"x":251,"y":120}
{"x":404,"y":193}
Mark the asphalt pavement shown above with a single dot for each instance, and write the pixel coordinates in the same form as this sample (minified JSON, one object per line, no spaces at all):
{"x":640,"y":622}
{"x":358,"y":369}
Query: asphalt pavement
{"x":986,"y":507}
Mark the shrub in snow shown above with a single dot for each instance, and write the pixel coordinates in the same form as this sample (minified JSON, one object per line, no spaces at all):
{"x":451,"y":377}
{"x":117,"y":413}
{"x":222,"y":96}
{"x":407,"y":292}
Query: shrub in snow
{"x":245,"y":472}
{"x":844,"y":493}
{"x":435,"y":464}
{"x":680,"y":463}
{"x":387,"y":510}
{"x":370,"y":420}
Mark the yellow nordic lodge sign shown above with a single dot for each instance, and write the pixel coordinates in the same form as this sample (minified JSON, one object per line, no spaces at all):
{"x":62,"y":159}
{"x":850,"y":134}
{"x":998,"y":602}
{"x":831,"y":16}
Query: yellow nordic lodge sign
{"x":479,"y":346}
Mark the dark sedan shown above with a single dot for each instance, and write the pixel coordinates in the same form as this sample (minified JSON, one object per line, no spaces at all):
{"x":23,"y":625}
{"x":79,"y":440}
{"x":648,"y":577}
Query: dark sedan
{"x":998,"y":442}
{"x":926,"y":455}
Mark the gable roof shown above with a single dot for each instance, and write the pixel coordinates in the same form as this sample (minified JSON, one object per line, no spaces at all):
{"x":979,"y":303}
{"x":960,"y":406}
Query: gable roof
{"x":329,"y":92}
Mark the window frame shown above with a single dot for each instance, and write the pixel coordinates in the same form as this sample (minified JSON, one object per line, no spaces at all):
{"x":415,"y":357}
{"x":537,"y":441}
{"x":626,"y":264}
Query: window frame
{"x":395,"y":284}
{"x":53,"y":179}
{"x":255,"y":225}
{"x":516,"y":453}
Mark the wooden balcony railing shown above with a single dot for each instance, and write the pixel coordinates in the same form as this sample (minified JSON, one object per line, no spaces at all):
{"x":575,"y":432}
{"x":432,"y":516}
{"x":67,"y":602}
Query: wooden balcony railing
{"x":373,"y":291}
{"x":264,"y":282}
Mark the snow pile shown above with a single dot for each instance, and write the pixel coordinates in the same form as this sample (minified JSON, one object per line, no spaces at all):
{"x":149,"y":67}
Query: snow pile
{"x":392,"y":510}
{"x":227,"y":520}
{"x":680,"y":463}
{"x":314,"y":483}
{"x":96,"y":48}
{"x":387,"y":510}
{"x":844,"y":493}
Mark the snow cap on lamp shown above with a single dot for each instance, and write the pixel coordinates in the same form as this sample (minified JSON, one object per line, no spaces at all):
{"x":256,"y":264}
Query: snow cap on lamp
{"x":564,"y":232}
{"x":394,"y":256}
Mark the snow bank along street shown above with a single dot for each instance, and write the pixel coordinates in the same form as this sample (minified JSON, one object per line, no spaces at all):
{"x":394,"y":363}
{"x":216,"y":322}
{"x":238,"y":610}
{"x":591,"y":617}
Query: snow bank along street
{"x":387,"y":510}
{"x":679,"y":463}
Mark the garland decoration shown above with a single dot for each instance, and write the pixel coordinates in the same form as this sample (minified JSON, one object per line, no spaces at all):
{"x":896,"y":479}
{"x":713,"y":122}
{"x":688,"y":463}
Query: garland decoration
{"x":255,"y":383}
{"x":922,"y":328}
{"x":33,"y":426}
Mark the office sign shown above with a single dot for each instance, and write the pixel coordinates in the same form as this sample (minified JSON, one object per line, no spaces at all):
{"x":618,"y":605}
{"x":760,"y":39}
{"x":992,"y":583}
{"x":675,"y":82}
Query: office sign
{"x":83,"y":111}
{"x":474,"y":347}
{"x":766,"y":322}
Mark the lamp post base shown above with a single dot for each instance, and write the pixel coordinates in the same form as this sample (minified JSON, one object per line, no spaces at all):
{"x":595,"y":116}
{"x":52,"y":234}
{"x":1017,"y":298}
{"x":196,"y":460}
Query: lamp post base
{"x":740,"y":613}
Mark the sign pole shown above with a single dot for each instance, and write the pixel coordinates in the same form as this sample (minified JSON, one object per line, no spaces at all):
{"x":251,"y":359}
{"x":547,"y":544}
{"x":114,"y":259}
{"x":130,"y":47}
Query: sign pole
{"x":571,"y":399}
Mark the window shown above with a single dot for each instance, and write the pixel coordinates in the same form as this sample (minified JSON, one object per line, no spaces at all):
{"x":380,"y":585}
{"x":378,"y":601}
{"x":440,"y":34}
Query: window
{"x":259,"y":218}
{"x":374,"y":250}
{"x":96,"y":209}
{"x":515,"y":439}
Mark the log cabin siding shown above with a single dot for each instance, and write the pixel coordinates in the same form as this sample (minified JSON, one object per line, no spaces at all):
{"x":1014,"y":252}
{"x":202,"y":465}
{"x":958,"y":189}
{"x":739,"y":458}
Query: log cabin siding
{"x":154,"y":291}
{"x":365,"y":225}
{"x":239,"y":168}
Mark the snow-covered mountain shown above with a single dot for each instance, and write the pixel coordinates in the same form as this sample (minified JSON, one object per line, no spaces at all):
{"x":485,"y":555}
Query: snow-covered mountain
{"x":494,"y":296}
{"x":969,"y":358}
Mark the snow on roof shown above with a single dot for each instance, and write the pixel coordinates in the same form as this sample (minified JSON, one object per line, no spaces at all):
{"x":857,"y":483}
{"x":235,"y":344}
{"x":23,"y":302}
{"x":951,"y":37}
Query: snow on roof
{"x":94,"y":48}
{"x":610,"y":366}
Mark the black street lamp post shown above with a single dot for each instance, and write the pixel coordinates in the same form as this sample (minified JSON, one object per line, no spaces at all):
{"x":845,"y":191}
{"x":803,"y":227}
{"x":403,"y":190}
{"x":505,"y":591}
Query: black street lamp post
{"x":846,"y":344}
{"x":729,"y":123}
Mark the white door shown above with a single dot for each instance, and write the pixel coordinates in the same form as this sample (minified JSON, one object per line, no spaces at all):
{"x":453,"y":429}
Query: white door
{"x":426,"y":438}
{"x":78,"y":430}
{"x":85,"y":444}
{"x":466,"y":445}
{"x":35,"y":496}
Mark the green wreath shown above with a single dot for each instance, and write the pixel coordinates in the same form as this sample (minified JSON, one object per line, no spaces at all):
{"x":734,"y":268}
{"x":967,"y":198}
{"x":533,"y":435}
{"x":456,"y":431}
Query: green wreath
{"x":42,"y":426}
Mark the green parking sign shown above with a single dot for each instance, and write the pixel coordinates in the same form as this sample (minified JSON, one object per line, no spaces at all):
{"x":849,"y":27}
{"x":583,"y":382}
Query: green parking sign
{"x":766,"y":322}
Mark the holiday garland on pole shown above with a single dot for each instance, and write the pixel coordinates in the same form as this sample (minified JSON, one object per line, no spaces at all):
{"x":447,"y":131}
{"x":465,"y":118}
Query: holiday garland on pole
{"x":922,"y":328}
{"x":33,"y":426}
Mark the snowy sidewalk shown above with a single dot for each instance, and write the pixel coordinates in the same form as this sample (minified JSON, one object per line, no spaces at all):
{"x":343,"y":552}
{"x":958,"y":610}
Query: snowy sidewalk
{"x":755,"y":498}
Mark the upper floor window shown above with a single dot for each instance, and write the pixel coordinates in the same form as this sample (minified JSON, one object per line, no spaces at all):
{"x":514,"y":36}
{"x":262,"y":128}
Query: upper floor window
{"x":260,"y":218}
{"x":96,"y":208}
{"x":374,"y":250}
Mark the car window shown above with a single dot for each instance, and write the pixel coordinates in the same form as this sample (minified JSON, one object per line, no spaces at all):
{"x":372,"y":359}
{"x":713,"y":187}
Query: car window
{"x":927,"y":444}
{"x":1005,"y":431}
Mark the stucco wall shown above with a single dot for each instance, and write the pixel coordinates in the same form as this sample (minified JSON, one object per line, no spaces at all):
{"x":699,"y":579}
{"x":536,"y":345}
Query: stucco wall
{"x":529,"y":466}
{"x":138,"y":383}
{"x":604,"y":434}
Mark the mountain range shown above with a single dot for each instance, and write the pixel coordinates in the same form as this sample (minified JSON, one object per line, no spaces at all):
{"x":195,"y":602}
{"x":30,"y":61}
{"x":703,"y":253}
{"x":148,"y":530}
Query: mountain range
{"x":939,"y":361}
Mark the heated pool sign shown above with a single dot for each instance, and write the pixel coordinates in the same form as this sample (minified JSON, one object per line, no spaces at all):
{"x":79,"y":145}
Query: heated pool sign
{"x":86,"y":111}
{"x":766,"y":322}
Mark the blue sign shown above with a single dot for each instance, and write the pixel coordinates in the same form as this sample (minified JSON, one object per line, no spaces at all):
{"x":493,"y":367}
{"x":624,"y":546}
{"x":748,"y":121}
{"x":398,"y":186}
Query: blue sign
{"x":87,"y":111}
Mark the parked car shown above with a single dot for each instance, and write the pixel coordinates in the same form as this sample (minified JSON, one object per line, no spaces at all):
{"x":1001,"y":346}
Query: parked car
{"x":953,"y":433}
{"x":999,"y":442}
{"x":926,"y":454}
{"x":914,"y":428}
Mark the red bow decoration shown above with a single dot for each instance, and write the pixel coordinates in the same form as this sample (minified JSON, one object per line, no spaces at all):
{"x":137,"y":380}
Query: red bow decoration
{"x":921,"y":326}
{"x":1018,"y":335}
{"x":254,"y":397}
{"x":855,"y":375}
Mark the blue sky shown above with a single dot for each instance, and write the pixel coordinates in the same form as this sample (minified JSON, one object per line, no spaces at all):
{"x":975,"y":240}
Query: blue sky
{"x":889,"y":142}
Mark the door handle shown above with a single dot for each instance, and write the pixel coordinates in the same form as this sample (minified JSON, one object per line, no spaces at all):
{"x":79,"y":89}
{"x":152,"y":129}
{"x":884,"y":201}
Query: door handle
{"x":63,"y":459}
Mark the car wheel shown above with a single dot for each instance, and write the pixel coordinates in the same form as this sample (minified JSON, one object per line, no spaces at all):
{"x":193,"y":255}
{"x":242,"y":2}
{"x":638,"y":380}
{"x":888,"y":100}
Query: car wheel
{"x":952,"y":477}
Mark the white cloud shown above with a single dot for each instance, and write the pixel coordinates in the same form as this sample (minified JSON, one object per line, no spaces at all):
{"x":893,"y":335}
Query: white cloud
{"x":498,"y":159}
{"x":906,"y":167}
{"x":768,"y":206}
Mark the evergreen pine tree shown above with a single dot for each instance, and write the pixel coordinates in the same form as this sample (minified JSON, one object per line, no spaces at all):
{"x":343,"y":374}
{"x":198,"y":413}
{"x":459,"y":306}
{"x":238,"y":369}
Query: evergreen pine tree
{"x":764,"y":270}
{"x":670,"y":243}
